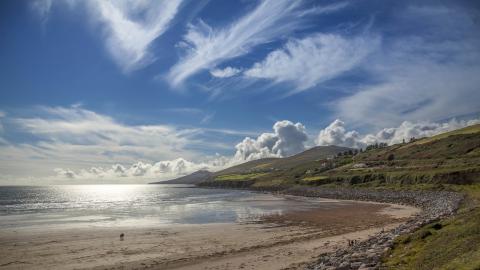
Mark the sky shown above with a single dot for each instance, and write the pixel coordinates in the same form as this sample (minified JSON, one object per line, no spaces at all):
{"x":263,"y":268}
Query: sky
{"x":133,"y":91}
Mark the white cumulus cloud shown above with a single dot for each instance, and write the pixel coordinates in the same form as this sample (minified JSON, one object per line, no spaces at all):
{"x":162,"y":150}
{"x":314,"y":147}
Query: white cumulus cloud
{"x":337,"y":134}
{"x":287,"y":139}
{"x":161,"y":170}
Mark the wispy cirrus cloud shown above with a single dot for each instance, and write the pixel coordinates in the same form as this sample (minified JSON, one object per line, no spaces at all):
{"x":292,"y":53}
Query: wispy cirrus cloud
{"x":420,"y":77}
{"x":224,"y":73}
{"x":74,"y":137}
{"x":132,"y":26}
{"x":129,"y":27}
{"x":315,"y":59}
{"x":42,"y":8}
{"x":206,"y":46}
{"x":318,"y":10}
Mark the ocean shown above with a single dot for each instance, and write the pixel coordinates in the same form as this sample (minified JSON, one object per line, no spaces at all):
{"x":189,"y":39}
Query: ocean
{"x":135,"y":205}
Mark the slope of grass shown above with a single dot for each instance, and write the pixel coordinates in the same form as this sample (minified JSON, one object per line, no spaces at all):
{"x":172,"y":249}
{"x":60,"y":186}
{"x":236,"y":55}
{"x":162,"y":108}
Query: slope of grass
{"x":468,"y":130}
{"x":284,"y":164}
{"x":315,"y":178}
{"x":237,"y":177}
{"x":449,"y":244}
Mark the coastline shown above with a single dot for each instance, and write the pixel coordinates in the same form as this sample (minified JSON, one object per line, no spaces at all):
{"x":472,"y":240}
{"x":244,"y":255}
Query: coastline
{"x":367,"y":254}
{"x":294,"y":240}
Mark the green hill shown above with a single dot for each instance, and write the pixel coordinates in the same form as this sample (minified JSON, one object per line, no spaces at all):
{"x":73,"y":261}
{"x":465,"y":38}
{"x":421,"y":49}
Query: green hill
{"x":274,"y":171}
{"x":448,"y":158}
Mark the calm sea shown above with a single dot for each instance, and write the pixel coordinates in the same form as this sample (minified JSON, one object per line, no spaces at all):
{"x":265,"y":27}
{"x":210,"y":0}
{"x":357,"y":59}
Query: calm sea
{"x":135,"y":205}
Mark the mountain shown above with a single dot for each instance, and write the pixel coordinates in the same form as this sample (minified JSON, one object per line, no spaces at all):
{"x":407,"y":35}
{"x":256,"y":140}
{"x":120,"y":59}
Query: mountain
{"x":193,"y":178}
{"x":277,"y":164}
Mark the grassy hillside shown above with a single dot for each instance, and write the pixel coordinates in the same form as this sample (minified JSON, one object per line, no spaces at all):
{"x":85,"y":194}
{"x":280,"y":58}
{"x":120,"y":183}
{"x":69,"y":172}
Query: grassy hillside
{"x":271,"y":164}
{"x":448,"y":158}
{"x":277,"y":172}
{"x":453,"y":243}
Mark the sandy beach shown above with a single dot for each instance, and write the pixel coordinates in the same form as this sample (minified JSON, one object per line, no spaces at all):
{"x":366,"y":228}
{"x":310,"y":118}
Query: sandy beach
{"x":270,"y":242}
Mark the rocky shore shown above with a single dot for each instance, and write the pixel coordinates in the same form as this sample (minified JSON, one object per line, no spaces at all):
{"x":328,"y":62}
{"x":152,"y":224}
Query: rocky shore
{"x":367,"y":254}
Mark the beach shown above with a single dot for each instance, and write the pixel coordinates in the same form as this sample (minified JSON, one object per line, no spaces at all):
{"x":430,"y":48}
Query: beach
{"x":273,"y":241}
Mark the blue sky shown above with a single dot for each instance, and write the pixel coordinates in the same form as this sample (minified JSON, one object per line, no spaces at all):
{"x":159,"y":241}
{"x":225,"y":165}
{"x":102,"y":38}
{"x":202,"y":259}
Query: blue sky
{"x":162,"y":88}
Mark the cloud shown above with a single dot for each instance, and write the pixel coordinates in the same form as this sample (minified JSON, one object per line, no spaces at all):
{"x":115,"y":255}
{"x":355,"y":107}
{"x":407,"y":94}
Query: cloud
{"x":207,"y":118}
{"x":75,"y":141}
{"x":42,"y":8}
{"x":140,"y":170}
{"x":315,"y":59}
{"x":416,"y":76}
{"x":81,"y":146}
{"x":324,"y":9}
{"x":225,"y":73}
{"x":2,"y":115}
{"x":184,"y":110}
{"x":2,"y":140}
{"x":77,"y":138}
{"x":206,"y":47}
{"x":287,"y":139}
{"x":337,"y":134}
{"x":130,"y":27}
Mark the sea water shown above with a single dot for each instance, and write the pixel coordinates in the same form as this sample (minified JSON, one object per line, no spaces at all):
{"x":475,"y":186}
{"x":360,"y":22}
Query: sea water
{"x":135,"y":205}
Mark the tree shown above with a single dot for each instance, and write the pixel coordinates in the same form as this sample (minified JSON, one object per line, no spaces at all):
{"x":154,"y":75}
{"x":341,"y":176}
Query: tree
{"x":391,"y":157}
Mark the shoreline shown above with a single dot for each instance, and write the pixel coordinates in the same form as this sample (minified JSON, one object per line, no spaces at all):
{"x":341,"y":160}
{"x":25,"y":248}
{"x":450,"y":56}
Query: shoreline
{"x":277,"y":243}
{"x":367,"y":254}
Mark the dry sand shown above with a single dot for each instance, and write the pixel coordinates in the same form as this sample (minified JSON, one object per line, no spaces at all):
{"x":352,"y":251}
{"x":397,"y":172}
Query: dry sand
{"x":274,"y":242}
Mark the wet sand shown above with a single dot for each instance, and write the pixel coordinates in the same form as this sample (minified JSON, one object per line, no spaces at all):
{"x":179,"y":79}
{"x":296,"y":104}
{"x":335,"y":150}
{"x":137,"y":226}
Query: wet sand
{"x":270,"y":242}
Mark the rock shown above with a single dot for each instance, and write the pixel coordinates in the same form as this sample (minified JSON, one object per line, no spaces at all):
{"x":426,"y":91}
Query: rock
{"x":344,"y":266}
{"x":355,"y":265}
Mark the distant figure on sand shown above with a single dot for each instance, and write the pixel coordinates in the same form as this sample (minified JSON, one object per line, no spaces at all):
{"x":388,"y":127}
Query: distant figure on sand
{"x":122,"y":235}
